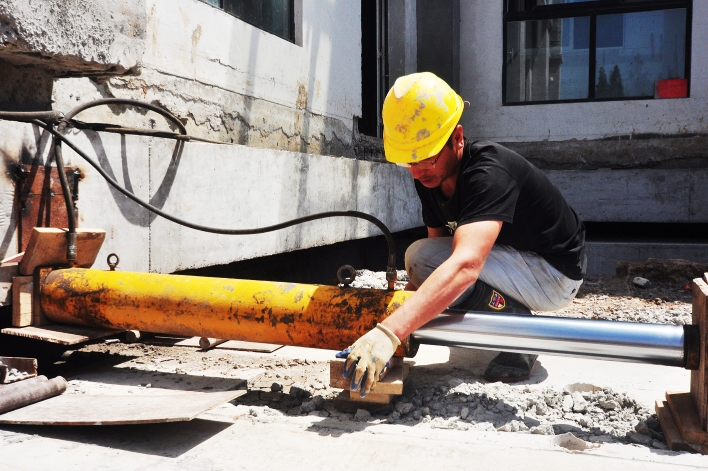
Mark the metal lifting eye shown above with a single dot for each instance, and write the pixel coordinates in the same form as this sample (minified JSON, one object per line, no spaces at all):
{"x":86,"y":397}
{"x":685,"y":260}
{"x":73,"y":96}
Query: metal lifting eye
{"x":346,"y":274}
{"x":114,"y":264}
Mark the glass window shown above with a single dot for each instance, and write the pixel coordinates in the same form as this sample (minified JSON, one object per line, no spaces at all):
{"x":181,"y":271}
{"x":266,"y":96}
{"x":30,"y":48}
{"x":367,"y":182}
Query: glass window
{"x":593,"y":50}
{"x":545,"y":62}
{"x":650,"y":46}
{"x":274,"y":16}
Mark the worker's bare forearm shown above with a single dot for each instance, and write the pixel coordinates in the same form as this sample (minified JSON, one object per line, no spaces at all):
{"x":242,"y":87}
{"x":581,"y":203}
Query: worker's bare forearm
{"x":444,"y":285}
{"x":470,"y":248}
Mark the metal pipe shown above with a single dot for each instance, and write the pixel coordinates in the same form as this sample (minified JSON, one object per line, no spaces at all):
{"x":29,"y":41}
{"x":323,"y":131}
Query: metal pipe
{"x":257,"y":311}
{"x":621,"y":341}
{"x":23,"y":393}
{"x":334,"y":318}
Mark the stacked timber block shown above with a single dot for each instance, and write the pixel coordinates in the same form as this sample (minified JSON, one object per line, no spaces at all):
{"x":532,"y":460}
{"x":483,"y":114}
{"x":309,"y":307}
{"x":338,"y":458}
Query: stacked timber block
{"x":386,"y":389}
{"x":684,"y":415}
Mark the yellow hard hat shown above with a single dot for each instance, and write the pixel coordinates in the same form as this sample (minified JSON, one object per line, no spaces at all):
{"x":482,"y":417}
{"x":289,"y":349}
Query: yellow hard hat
{"x":419,"y":114}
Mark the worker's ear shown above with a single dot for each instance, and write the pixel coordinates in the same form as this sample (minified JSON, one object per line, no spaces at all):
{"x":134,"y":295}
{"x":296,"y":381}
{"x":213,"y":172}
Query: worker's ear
{"x":458,"y":138}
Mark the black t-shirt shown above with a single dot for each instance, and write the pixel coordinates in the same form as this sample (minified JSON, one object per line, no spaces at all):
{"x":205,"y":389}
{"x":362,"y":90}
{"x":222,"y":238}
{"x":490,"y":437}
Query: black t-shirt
{"x":497,"y":184}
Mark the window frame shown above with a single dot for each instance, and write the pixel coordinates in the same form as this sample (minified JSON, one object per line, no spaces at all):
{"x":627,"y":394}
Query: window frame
{"x":291,"y":3}
{"x":591,"y":9}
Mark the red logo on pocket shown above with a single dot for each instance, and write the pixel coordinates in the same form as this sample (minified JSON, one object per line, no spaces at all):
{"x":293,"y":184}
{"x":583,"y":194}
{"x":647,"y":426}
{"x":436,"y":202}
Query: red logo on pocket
{"x":497,"y":302}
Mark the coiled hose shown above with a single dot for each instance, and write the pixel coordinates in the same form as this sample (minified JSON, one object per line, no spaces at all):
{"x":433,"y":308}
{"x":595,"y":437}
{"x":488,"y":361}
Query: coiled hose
{"x":46,"y":120}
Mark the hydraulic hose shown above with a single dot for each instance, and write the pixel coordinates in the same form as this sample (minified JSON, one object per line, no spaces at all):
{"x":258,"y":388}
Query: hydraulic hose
{"x":38,"y":120}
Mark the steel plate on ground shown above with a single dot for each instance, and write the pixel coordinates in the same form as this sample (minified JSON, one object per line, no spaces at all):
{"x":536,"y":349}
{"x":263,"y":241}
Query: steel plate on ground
{"x":84,"y":409}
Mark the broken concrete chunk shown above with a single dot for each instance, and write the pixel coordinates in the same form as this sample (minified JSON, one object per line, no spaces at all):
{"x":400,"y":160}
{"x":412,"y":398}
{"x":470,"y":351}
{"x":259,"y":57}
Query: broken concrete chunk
{"x":567,"y":403}
{"x":317,"y":403}
{"x":572,"y":443}
{"x":608,"y":404}
{"x":298,"y":391}
{"x":403,"y":408}
{"x":579,"y":403}
{"x":362,"y":415}
{"x":545,"y":429}
{"x":640,"y":439}
{"x":640,"y":282}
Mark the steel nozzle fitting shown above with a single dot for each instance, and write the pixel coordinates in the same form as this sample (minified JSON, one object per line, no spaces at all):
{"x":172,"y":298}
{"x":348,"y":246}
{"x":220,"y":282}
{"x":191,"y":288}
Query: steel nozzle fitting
{"x":391,"y":277}
{"x":71,"y":249}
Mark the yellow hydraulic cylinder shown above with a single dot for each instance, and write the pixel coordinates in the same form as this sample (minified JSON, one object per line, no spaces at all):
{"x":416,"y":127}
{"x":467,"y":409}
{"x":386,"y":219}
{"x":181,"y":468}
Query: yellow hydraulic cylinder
{"x":257,"y":311}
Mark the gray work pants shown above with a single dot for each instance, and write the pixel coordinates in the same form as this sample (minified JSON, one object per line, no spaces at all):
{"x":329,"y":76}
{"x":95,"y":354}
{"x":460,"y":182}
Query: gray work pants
{"x":524,"y":276}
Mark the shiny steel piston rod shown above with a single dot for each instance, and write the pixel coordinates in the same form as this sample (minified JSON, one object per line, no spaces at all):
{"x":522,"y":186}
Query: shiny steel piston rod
{"x":621,"y":341}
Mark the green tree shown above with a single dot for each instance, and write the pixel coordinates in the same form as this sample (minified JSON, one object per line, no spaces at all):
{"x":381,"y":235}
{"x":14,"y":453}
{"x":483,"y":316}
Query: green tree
{"x":602,"y":89}
{"x":615,"y":88}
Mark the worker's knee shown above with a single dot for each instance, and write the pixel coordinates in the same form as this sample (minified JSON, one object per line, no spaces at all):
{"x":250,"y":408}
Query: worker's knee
{"x":425,"y":255}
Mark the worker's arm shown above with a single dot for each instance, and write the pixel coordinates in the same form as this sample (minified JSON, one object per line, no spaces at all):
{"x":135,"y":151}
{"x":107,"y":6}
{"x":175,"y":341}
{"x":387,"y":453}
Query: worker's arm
{"x":471,"y":245}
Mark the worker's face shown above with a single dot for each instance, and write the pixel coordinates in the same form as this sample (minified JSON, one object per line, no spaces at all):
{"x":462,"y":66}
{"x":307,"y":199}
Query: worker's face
{"x":432,"y":172}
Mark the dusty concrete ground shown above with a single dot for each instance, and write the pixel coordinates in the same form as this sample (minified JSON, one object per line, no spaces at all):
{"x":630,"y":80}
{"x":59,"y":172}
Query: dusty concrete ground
{"x":607,"y":406}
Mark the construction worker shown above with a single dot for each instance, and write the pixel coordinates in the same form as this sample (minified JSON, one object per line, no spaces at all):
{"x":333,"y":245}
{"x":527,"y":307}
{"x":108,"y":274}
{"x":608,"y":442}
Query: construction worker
{"x":501,"y":237}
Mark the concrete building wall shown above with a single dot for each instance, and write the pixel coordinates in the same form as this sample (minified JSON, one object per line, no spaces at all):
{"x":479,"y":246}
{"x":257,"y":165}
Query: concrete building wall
{"x":285,"y":111}
{"x":664,"y":140}
{"x":481,"y":57}
{"x":233,"y":82}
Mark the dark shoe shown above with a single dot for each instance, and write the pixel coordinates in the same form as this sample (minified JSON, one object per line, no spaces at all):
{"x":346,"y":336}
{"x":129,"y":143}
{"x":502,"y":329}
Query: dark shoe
{"x":510,"y":367}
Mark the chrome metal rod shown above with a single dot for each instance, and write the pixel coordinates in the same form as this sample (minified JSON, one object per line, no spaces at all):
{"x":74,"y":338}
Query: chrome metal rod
{"x":622,"y":341}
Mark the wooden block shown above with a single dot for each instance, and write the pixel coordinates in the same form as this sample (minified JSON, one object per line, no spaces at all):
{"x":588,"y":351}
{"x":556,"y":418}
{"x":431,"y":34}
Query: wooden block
{"x":206,"y":342}
{"x":686,"y":418}
{"x":392,"y":383}
{"x":38,"y":317}
{"x":22,"y":292}
{"x":344,"y":403}
{"x":668,"y":426}
{"x":62,"y":334}
{"x":47,"y":247}
{"x":699,"y":377}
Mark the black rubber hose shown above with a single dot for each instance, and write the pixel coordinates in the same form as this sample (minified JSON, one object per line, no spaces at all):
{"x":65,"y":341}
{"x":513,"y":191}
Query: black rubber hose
{"x":122,"y":101}
{"x":386,"y":232}
{"x":27,"y":116}
{"x":71,"y":250}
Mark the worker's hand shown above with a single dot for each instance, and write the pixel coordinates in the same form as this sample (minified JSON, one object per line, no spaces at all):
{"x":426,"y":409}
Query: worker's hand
{"x":368,"y":358}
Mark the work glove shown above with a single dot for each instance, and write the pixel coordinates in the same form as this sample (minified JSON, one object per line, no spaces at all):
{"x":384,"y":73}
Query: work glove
{"x":368,"y":358}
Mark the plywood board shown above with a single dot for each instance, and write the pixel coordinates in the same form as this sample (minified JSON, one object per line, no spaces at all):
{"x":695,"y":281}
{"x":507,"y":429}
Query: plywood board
{"x":699,"y":377}
{"x":83,"y":409}
{"x":63,"y":334}
{"x":47,"y":247}
{"x":686,"y":418}
{"x":392,"y":383}
{"x":668,"y":426}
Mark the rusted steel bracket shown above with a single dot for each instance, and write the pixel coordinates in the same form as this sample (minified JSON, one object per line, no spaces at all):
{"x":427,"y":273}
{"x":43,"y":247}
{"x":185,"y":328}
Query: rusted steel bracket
{"x":40,"y":198}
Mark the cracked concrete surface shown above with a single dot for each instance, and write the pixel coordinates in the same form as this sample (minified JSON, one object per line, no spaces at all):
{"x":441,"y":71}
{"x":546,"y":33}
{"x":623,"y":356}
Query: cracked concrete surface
{"x":73,"y":37}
